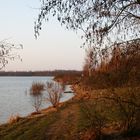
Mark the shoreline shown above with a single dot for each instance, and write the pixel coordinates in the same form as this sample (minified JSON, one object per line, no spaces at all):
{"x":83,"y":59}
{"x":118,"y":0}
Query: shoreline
{"x":44,"y":111}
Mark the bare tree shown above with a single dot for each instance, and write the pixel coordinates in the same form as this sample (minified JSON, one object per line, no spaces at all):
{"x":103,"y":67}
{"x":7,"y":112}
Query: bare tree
{"x":101,"y":20}
{"x":36,"y":94}
{"x":91,"y":60}
{"x":55,"y":91}
{"x":8,"y":51}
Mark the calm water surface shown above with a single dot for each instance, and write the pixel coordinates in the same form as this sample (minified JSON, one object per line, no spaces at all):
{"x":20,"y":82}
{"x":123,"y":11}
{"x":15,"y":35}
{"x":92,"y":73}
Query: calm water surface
{"x":14,"y":96}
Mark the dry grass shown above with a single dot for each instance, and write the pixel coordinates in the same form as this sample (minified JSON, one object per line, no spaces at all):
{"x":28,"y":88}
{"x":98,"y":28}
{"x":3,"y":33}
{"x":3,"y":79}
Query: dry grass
{"x":13,"y":119}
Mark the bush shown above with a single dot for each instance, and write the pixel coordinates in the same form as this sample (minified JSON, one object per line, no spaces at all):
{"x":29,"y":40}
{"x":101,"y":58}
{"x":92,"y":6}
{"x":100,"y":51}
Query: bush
{"x":36,"y":94}
{"x":55,"y":91}
{"x":127,"y":104}
{"x":93,"y":117}
{"x":14,"y":119}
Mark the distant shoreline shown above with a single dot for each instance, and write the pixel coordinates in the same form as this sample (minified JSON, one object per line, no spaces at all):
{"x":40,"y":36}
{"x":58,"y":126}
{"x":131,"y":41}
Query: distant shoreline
{"x":37,"y":73}
{"x":26,"y":75}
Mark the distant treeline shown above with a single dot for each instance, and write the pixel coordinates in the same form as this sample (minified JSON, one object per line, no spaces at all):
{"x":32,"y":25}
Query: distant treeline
{"x":38,"y":73}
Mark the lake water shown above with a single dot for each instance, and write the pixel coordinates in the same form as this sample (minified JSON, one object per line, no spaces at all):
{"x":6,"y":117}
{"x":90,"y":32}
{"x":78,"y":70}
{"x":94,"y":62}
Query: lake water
{"x":15,"y":98}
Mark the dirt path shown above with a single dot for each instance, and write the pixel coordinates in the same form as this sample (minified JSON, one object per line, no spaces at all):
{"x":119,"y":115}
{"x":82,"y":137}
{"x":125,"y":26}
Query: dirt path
{"x":65,"y":127}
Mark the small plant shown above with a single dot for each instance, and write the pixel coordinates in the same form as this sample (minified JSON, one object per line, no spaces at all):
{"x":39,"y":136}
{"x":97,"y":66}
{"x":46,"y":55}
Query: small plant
{"x":14,"y":119}
{"x":36,"y":94}
{"x":55,"y":91}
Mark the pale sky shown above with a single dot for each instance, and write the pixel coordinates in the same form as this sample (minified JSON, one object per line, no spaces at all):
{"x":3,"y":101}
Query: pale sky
{"x":56,"y":47}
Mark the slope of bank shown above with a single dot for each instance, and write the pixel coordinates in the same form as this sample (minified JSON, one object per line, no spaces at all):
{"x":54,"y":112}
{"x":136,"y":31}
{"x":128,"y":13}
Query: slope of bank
{"x":52,"y":124}
{"x":81,"y":118}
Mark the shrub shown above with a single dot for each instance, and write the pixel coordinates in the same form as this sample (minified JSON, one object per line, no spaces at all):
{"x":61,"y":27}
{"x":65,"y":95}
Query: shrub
{"x":36,"y":94}
{"x":55,"y":91}
{"x":14,"y":119}
{"x":127,"y":104}
{"x":94,"y":117}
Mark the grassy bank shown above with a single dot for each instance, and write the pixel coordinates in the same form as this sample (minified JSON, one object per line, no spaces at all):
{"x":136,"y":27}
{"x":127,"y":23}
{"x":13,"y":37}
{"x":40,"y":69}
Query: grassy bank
{"x":89,"y":115}
{"x":106,"y":106}
{"x":28,"y":128}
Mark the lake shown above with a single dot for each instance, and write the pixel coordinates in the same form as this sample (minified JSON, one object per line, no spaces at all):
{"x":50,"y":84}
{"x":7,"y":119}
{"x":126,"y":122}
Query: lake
{"x":15,"y":98}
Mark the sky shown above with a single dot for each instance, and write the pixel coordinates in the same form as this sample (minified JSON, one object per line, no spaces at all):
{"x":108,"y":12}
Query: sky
{"x":56,"y":47}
